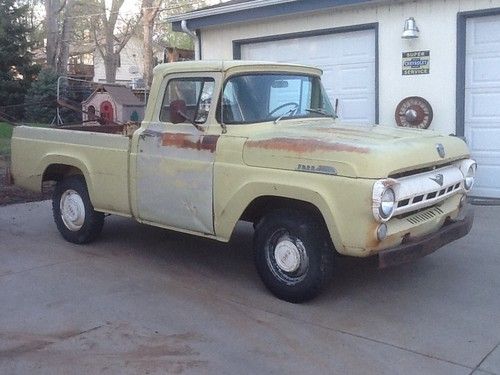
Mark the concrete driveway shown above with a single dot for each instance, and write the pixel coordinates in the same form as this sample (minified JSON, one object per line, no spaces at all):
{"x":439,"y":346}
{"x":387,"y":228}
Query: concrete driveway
{"x":142,"y":300}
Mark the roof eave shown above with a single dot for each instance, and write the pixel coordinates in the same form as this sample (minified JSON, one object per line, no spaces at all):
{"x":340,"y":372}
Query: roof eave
{"x":254,"y":10}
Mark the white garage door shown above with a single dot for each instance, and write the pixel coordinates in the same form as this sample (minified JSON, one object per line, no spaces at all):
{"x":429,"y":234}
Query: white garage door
{"x":348,"y":62}
{"x":482,"y":102}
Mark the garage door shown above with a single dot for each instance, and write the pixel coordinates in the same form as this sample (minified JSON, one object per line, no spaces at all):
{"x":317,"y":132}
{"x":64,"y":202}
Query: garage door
{"x":347,"y":60}
{"x":482,"y":101}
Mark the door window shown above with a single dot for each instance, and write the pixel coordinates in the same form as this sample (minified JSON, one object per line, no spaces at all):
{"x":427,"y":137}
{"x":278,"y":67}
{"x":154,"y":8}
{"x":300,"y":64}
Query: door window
{"x":187,"y":100}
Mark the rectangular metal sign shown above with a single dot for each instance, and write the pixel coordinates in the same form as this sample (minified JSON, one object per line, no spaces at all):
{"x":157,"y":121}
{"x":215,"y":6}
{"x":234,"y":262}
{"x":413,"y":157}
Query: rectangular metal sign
{"x":416,"y":62}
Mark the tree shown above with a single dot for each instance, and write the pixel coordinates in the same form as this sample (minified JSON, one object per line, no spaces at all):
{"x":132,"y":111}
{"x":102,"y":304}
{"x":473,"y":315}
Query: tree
{"x":150,"y":9}
{"x":111,"y":40}
{"x":59,"y":24}
{"x":16,"y":69}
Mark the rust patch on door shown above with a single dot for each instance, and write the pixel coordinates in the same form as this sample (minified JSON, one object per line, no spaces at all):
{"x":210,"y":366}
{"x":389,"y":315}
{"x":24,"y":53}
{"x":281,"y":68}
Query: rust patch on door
{"x":189,"y":141}
{"x":305,"y":145}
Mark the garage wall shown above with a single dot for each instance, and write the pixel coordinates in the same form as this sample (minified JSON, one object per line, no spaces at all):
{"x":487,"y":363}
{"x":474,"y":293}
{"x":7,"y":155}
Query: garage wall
{"x":437,"y":20}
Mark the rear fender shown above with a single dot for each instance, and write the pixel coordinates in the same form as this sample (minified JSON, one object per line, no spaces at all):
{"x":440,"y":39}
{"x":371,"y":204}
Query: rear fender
{"x":52,"y":159}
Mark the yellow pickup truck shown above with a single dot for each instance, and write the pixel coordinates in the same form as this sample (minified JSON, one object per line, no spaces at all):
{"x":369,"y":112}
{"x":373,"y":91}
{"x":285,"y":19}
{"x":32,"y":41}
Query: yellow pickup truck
{"x":259,"y":142}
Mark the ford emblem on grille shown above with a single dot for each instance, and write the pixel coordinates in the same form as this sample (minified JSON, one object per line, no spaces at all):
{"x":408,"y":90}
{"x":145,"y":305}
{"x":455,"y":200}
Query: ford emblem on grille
{"x":439,"y":179}
{"x":440,"y":150}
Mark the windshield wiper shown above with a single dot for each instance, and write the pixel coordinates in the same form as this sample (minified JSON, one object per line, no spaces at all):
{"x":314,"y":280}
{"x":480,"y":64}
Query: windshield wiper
{"x":320,"y":111}
{"x":287,"y":113}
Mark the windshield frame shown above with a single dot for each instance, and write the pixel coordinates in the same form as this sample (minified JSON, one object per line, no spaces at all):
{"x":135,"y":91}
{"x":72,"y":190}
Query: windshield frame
{"x":309,"y":115}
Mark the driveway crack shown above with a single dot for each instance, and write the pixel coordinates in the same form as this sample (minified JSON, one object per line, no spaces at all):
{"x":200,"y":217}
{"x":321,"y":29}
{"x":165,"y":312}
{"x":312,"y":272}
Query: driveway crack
{"x":484,"y":359}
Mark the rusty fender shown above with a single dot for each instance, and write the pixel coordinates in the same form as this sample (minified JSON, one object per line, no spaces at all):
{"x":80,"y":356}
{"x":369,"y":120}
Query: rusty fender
{"x":418,"y":248}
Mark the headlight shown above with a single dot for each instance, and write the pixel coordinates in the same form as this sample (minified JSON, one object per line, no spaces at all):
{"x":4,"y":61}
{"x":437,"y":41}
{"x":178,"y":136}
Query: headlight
{"x":387,"y":204}
{"x":384,"y":199}
{"x":469,"y":177}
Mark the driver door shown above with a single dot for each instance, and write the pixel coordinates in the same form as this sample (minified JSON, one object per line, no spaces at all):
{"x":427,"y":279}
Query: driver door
{"x":175,"y":159}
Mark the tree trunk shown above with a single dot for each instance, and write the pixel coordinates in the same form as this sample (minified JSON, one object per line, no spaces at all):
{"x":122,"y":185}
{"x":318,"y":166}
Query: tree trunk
{"x":150,"y":10}
{"x":52,"y":10}
{"x":66,"y":38}
{"x":148,"y":53}
{"x":110,"y":67}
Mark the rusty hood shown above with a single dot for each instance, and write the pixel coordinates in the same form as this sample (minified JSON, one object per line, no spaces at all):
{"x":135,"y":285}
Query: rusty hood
{"x":349,"y":150}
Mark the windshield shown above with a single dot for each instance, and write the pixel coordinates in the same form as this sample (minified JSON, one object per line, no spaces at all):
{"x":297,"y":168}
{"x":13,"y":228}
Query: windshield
{"x":271,"y":97}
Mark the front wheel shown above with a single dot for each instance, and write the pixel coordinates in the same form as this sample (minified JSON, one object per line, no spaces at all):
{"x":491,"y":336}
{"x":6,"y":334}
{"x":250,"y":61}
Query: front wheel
{"x":292,"y":254}
{"x":74,"y":215}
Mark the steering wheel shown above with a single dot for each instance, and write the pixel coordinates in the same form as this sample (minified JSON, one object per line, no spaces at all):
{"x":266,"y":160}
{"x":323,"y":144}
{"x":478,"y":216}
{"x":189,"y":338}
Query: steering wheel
{"x":283,"y":106}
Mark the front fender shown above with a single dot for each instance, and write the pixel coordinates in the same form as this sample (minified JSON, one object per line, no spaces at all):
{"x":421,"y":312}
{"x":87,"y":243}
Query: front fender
{"x":226,"y":217}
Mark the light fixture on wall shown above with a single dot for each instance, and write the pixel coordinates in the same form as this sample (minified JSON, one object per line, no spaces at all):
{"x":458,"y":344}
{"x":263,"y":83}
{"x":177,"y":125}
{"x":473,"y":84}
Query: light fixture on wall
{"x":410,"y":30}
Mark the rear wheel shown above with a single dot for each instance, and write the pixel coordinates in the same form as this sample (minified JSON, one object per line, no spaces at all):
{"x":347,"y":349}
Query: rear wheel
{"x":292,"y":254}
{"x":74,"y":215}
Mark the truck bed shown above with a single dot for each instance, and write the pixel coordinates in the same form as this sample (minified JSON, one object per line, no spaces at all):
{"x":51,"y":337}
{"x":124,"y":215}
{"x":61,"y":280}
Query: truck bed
{"x":102,"y":158}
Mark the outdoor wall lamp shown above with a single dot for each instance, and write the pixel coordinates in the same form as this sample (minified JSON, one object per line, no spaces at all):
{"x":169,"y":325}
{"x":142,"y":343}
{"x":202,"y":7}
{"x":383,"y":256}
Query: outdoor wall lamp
{"x":410,"y":30}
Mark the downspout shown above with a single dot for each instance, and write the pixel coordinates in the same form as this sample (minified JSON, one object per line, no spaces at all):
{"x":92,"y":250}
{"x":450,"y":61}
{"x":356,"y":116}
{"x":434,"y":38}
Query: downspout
{"x":192,"y":34}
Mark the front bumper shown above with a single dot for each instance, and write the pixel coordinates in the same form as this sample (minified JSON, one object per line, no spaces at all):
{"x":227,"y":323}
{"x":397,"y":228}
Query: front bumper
{"x":414,"y":249}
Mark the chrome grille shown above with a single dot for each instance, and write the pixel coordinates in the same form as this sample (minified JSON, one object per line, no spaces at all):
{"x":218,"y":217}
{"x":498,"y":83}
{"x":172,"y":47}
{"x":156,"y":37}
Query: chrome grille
{"x":416,"y":192}
{"x":424,"y":216}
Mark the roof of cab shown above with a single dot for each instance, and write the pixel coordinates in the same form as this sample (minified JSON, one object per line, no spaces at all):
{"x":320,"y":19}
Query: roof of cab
{"x":227,"y":65}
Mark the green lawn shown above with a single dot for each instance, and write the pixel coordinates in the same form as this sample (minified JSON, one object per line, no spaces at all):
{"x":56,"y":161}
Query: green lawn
{"x":5,"y":135}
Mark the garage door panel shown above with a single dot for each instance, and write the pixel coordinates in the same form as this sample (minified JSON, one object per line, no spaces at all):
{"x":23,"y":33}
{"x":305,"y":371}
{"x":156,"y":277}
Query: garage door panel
{"x":482,"y":102}
{"x":484,"y":71}
{"x":359,"y":78}
{"x":347,"y":61}
{"x":483,"y":106}
{"x":355,"y":109}
{"x":357,"y":45}
{"x":485,"y":140}
{"x":483,"y":34}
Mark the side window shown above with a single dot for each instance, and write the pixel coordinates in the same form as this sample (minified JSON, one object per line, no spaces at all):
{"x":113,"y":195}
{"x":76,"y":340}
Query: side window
{"x":187,"y":100}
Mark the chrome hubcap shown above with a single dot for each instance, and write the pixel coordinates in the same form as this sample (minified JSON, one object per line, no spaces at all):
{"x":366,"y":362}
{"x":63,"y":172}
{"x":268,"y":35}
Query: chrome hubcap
{"x":287,"y":256}
{"x":72,"y":210}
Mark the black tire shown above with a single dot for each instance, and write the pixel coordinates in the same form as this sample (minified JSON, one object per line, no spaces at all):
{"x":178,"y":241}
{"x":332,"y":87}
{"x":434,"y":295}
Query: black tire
{"x":301,"y":238}
{"x":87,"y":223}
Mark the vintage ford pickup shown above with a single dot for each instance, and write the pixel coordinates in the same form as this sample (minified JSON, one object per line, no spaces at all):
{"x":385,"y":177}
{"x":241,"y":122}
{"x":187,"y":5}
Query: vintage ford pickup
{"x":259,"y":142}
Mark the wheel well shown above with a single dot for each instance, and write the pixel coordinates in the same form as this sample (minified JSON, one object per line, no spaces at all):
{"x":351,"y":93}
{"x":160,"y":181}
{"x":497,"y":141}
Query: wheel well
{"x":262,"y":205}
{"x":56,"y":172}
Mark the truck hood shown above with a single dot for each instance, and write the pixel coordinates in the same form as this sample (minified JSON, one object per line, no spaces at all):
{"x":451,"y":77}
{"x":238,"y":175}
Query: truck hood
{"x":363,"y":151}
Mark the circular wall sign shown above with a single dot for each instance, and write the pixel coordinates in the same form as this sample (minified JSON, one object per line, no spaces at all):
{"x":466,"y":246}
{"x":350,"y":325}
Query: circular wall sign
{"x":414,"y":112}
